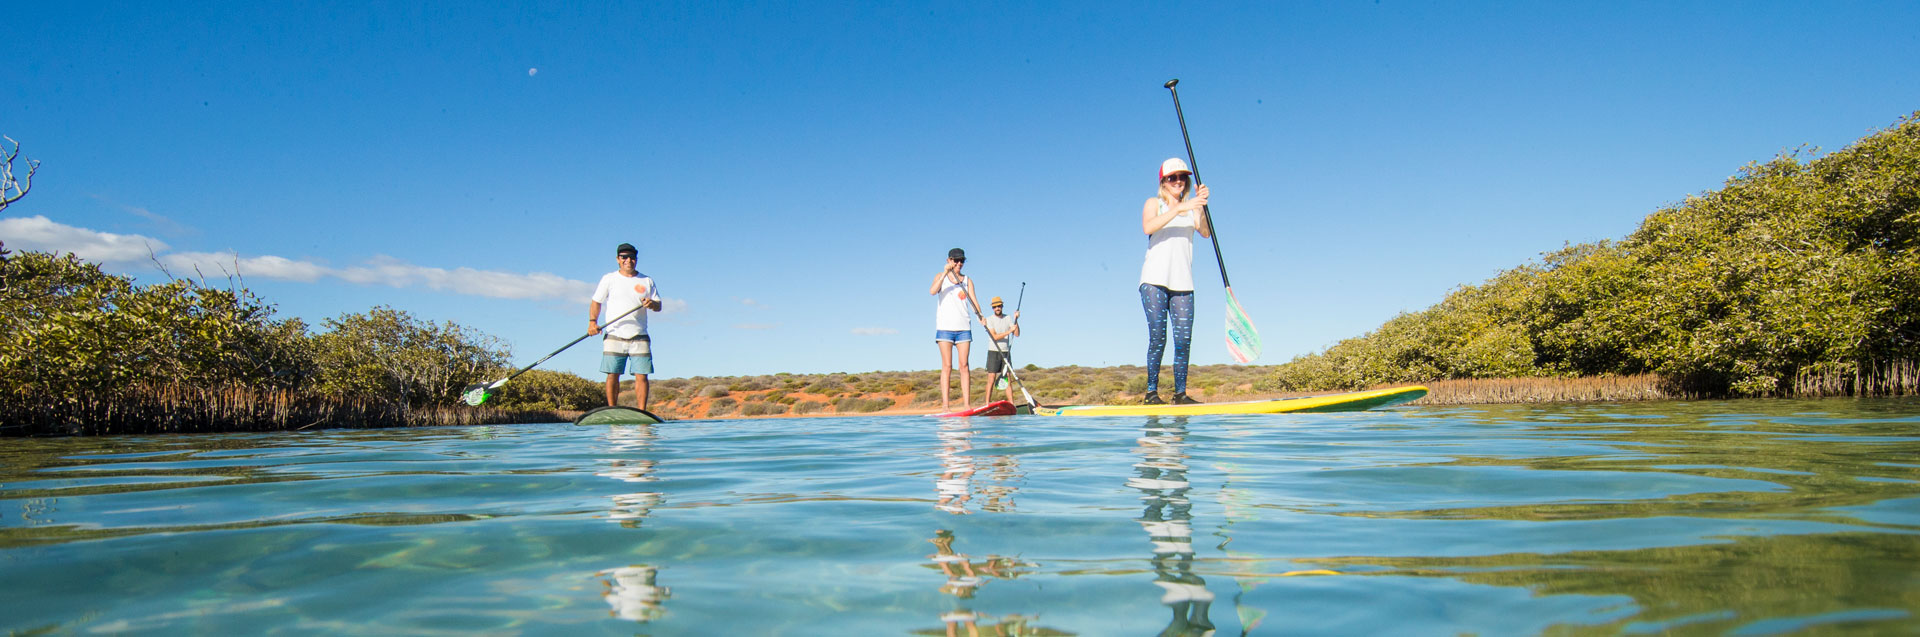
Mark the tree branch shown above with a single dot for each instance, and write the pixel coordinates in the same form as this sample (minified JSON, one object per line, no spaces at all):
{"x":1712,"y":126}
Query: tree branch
{"x":12,"y":190}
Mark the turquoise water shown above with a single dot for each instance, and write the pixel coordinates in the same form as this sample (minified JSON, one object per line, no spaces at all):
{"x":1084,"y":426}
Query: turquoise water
{"x":1761,"y":517}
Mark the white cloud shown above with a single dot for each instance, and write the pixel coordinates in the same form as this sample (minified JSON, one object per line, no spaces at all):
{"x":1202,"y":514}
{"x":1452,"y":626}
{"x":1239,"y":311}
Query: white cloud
{"x":41,"y":234}
{"x":668,"y":305}
{"x":875,"y":331}
{"x":755,"y":326}
{"x":226,"y":263}
{"x":391,"y":272}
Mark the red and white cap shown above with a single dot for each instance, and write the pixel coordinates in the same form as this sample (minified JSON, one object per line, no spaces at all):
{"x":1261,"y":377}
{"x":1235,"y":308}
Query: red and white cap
{"x":1173,"y":166}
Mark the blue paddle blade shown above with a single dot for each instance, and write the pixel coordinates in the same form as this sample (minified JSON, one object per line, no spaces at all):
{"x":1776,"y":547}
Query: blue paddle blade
{"x":1243,"y":341}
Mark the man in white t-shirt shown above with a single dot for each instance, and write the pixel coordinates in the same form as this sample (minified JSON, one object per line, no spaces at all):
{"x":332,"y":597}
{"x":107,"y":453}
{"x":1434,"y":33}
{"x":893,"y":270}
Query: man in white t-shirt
{"x":627,"y":296}
{"x":1000,"y":332}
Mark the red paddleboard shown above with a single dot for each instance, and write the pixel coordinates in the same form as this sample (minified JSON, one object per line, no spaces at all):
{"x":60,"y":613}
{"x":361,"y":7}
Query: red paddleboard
{"x":996,"y":408}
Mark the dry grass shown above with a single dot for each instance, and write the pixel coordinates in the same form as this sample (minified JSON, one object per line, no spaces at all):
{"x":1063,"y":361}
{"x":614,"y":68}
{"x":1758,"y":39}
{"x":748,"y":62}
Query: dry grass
{"x":1498,"y":391}
{"x":175,"y":409}
{"x":1894,"y":378}
{"x":182,"y":409}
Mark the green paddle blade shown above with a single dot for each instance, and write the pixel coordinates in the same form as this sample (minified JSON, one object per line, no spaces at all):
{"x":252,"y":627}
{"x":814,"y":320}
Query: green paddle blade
{"x":476,"y":394}
{"x":1243,"y":341}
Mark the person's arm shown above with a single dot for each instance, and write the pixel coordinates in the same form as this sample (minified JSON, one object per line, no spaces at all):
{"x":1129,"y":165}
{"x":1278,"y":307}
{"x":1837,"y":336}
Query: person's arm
{"x":593,"y":317}
{"x":1200,"y":222}
{"x":652,"y":302}
{"x":1151,"y":220}
{"x":938,"y":281}
{"x":1016,"y":324}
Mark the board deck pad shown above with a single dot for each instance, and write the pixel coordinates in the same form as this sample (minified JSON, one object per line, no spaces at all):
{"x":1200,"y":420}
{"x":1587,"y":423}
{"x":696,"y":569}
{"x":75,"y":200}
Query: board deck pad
{"x":1352,"y":401}
{"x":617,"y":415}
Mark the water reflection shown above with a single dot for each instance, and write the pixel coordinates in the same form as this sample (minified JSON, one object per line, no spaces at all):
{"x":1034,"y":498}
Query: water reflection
{"x":964,"y":577}
{"x":1168,"y":520}
{"x":954,"y":487}
{"x":631,"y":591}
{"x":959,"y":465}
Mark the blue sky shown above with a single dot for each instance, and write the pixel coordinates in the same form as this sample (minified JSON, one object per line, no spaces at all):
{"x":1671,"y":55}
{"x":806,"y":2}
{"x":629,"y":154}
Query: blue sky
{"x":794,"y":173}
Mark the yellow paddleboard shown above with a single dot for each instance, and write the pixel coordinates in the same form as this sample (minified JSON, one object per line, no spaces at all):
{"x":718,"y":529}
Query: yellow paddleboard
{"x":1354,"y":401}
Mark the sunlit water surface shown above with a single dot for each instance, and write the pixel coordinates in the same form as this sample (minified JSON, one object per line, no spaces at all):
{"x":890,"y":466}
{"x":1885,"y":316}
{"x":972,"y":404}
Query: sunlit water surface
{"x":1760,"y":517}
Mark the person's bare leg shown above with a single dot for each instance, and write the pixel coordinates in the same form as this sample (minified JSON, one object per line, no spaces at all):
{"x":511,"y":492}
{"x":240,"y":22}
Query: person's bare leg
{"x":946,"y":374}
{"x":966,"y":377}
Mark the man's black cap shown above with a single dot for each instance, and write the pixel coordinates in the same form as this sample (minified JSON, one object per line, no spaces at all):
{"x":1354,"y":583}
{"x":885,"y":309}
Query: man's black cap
{"x":625,"y":249}
{"x":956,"y":253}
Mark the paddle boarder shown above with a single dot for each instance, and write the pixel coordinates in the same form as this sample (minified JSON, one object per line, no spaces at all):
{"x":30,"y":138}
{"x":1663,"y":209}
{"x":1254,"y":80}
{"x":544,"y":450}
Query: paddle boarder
{"x":626,"y":348}
{"x":1000,"y":332}
{"x":1170,"y":218}
{"x":953,"y":326}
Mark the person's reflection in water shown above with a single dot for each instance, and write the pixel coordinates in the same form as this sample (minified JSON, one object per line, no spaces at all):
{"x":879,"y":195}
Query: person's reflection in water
{"x":961,"y":583}
{"x":632,"y":593}
{"x":964,"y":577}
{"x":1168,"y":520}
{"x":955,"y":484}
{"x":1003,"y":480}
{"x":630,"y":508}
{"x":631,"y":590}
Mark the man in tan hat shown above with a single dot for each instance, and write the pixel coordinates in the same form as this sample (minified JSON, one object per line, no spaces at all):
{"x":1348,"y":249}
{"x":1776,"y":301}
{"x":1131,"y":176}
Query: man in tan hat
{"x":1000,"y":332}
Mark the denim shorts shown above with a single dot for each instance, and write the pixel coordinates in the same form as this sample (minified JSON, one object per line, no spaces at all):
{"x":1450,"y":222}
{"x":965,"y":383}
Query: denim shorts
{"x":636,"y":364}
{"x":952,"y":336}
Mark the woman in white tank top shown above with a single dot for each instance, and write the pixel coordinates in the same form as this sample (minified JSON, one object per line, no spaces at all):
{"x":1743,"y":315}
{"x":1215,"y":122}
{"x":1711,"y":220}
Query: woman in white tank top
{"x":953,"y":326}
{"x":1170,"y":219}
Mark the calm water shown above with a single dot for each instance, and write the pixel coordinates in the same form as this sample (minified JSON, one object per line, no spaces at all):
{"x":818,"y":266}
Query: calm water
{"x":1709,"y":518}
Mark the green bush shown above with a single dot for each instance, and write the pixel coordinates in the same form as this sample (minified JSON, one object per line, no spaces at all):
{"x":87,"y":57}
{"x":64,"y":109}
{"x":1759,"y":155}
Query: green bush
{"x":762,"y":409}
{"x":542,"y":389}
{"x":1791,"y":266}
{"x":854,"y":405}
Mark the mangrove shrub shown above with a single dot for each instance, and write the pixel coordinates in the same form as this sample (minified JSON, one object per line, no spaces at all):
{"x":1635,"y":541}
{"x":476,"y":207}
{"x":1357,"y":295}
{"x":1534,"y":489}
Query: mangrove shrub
{"x":1796,"y":265}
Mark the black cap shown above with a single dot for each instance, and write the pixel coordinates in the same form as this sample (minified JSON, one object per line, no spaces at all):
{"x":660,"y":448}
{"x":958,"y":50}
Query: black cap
{"x":625,"y":248}
{"x":956,"y":253}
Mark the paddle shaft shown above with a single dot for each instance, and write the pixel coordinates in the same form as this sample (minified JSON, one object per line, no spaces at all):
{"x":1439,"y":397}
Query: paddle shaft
{"x":569,"y":344}
{"x":1194,"y":165}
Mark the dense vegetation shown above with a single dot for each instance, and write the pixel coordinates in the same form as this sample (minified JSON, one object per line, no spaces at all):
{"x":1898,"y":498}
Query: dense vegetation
{"x":77,"y":344}
{"x":1794,"y":270}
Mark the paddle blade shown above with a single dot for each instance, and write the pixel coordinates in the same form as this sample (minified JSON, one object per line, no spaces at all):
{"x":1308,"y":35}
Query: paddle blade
{"x":476,"y":393}
{"x":1243,"y":341}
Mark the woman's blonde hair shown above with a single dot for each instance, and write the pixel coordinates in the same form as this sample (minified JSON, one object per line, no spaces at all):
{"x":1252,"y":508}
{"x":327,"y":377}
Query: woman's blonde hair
{"x":1161,"y":192}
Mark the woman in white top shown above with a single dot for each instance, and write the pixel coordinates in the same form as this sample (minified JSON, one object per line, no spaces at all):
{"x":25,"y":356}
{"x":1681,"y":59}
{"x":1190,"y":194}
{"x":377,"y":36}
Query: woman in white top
{"x":953,"y":326}
{"x":1170,"y":218}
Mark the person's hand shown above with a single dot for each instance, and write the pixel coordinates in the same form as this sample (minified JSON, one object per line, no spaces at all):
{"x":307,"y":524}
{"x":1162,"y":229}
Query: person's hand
{"x":1200,"y":195}
{"x":593,"y":327}
{"x":1016,"y":315}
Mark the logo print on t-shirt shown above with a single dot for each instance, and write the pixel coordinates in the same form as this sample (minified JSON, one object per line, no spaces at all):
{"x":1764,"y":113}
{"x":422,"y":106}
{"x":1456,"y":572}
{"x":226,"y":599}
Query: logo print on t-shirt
{"x":640,"y":288}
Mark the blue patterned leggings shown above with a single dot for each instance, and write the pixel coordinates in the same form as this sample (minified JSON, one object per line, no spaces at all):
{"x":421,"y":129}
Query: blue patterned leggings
{"x":1159,"y":302}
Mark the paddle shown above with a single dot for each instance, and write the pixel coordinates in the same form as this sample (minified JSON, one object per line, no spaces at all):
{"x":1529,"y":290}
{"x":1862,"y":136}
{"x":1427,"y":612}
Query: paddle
{"x":1243,"y":341}
{"x":479,"y":392}
{"x":1016,"y":321}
